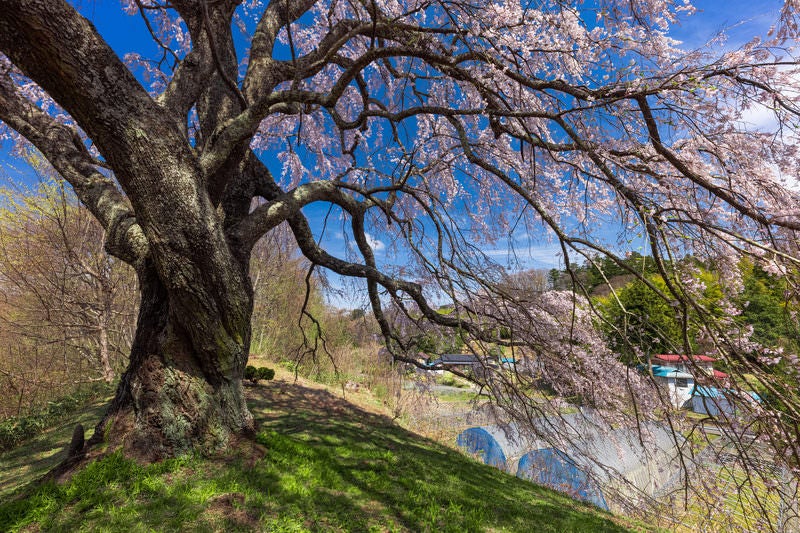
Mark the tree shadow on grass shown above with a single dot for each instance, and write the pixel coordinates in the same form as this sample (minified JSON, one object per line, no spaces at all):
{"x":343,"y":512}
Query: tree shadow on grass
{"x":321,"y":464}
{"x":398,"y":476}
{"x":37,"y":456}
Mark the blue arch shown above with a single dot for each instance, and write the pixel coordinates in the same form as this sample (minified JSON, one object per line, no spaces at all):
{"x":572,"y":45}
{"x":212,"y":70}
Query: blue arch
{"x":478,"y":441}
{"x":553,"y":468}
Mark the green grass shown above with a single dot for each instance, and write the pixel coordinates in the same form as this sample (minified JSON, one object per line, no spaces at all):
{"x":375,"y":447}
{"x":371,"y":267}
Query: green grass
{"x":17,"y":429}
{"x":320,"y":464}
{"x":21,"y":465}
{"x":462,"y":396}
{"x":745,"y":504}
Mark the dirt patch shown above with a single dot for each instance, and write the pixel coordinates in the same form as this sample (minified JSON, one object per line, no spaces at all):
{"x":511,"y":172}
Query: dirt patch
{"x":231,"y":508}
{"x":244,"y":448}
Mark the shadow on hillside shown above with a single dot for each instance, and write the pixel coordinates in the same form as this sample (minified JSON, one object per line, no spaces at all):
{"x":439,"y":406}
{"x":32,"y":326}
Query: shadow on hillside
{"x":36,"y":457}
{"x":367,"y":465}
{"x":282,"y":398}
{"x":322,"y":464}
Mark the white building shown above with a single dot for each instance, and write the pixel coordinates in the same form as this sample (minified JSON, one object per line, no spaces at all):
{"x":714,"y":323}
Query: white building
{"x":678,"y":384}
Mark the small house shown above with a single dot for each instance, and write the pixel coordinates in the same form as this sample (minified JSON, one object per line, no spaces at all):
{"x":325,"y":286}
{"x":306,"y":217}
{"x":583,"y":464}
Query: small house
{"x":680,"y":374}
{"x":456,"y":360}
{"x":677,"y":383}
{"x":700,"y":366}
{"x":465,"y":362}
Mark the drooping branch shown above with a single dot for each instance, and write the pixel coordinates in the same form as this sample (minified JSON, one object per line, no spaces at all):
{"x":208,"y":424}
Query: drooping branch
{"x":728,"y":196}
{"x":317,"y":255}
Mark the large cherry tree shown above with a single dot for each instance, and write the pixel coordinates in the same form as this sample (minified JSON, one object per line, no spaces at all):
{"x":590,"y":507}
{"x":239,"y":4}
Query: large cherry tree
{"x":439,"y":128}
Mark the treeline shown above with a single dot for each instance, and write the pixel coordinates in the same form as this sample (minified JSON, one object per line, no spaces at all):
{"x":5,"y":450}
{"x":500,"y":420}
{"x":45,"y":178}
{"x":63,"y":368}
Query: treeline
{"x":639,"y":314}
{"x":67,"y":310}
{"x":597,"y":276}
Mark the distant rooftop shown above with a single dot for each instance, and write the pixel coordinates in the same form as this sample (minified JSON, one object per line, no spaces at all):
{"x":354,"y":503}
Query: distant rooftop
{"x":713,"y":392}
{"x":670,"y":372}
{"x":673,"y":358}
{"x":456,"y":359}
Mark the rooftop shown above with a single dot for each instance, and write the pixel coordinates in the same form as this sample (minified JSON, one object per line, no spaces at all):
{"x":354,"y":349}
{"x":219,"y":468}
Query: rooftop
{"x":670,"y":372}
{"x":456,"y":359}
{"x":713,"y":392}
{"x":674,"y":358}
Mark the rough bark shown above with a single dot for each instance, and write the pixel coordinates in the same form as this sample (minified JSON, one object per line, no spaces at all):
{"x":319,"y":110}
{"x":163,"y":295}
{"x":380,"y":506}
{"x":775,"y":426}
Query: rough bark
{"x":182,"y":389}
{"x":173,"y":398}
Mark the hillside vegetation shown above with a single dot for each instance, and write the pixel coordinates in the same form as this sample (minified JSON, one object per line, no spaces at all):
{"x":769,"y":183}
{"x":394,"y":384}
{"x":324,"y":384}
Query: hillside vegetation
{"x":320,"y":464}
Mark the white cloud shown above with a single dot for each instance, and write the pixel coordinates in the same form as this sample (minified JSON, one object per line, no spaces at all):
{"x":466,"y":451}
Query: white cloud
{"x":759,"y":117}
{"x":544,"y":256}
{"x":375,"y":244}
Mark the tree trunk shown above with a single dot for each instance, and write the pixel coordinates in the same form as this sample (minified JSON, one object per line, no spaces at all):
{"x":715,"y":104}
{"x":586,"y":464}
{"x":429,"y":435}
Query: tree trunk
{"x":174,"y":397}
{"x":182,"y":389}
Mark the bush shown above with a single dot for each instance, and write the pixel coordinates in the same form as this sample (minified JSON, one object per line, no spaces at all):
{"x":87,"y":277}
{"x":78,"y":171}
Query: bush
{"x":447,"y":379}
{"x":255,"y":374}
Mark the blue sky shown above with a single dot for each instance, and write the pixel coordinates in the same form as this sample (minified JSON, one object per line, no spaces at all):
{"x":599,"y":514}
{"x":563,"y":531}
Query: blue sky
{"x":742,"y":19}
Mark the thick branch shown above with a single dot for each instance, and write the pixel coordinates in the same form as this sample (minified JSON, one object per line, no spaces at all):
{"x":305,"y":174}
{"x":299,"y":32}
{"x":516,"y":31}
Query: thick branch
{"x":263,"y":70}
{"x":64,"y":150}
{"x":270,"y":215}
{"x":62,"y":51}
{"x":187,"y":83}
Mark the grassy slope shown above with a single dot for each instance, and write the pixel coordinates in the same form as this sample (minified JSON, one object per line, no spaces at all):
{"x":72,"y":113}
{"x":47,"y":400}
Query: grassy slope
{"x":20,"y":466}
{"x":322,"y":464}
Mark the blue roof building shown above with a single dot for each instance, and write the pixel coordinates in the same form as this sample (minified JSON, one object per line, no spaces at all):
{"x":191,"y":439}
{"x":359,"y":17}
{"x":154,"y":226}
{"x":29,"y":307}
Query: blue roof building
{"x":678,"y":384}
{"x":720,"y":402}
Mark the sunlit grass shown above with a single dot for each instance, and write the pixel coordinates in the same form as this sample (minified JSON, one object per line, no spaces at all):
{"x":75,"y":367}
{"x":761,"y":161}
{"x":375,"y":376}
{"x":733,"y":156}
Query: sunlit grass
{"x":21,"y":465}
{"x":729,"y":500}
{"x":319,"y":464}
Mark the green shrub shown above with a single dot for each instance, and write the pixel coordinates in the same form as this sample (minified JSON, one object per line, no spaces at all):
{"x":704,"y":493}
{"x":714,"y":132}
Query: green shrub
{"x":291,"y":366}
{"x":255,"y":374}
{"x":447,"y":379}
